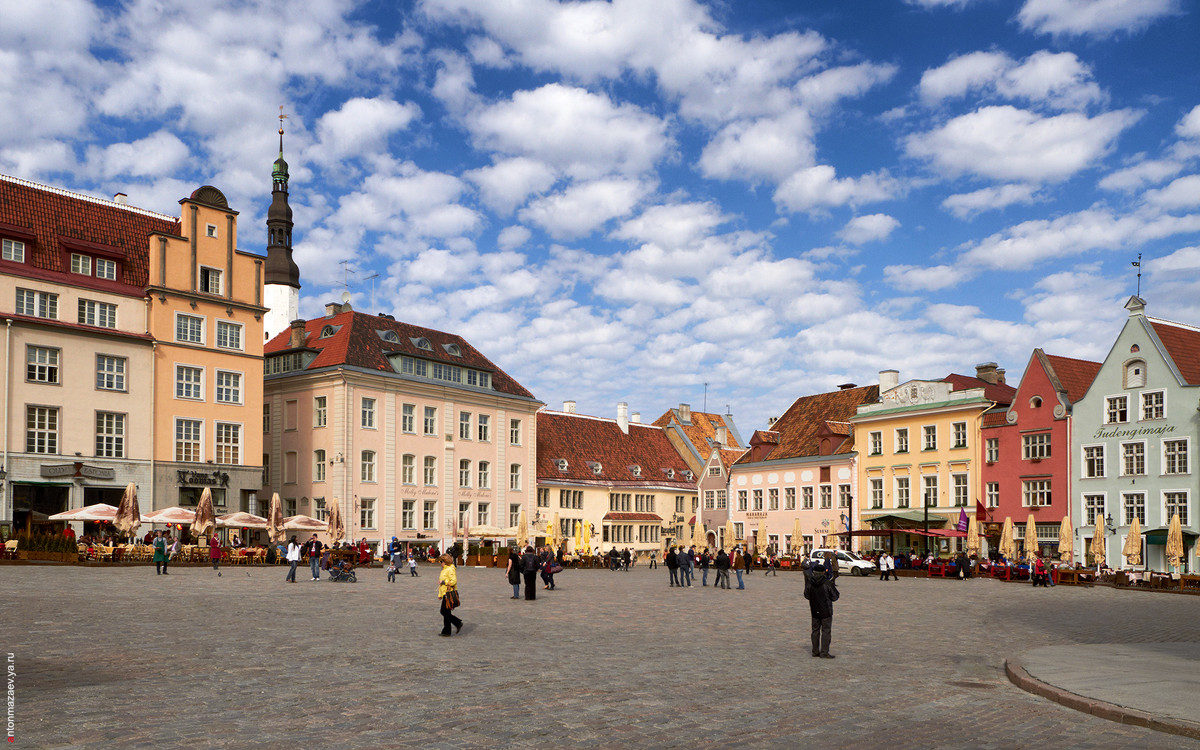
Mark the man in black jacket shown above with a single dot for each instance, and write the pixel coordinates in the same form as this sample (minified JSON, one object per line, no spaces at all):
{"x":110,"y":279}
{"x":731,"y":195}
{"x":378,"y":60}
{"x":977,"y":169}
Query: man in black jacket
{"x":529,"y":568}
{"x":722,"y":569}
{"x":313,"y":548}
{"x":820,"y":592}
{"x":672,"y":564}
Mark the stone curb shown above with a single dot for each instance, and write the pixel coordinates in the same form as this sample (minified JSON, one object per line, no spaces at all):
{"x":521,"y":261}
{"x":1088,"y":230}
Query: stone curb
{"x":1021,"y":678}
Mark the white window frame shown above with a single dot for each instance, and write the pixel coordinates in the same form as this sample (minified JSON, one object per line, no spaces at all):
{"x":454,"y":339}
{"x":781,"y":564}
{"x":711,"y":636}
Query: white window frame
{"x":36,"y":302}
{"x":1087,"y":502}
{"x":429,"y":420}
{"x":50,"y":365}
{"x":110,"y":438}
{"x":514,"y":477}
{"x":1124,"y":464}
{"x":900,"y":438}
{"x":12,"y":250}
{"x":121,"y":377}
{"x":429,"y":471}
{"x":218,"y":445}
{"x":875,"y":490}
{"x":991,"y":450}
{"x":366,"y":513}
{"x":203,"y":327}
{"x":514,"y":432}
{"x":875,"y":443}
{"x":204,"y":278}
{"x":366,"y":412}
{"x":959,"y":437}
{"x":930,"y":482}
{"x":960,"y":488}
{"x":408,"y":469}
{"x":408,"y":419}
{"x":106,"y":269}
{"x":484,"y":423}
{"x":199,"y":441}
{"x":81,"y":264}
{"x":320,"y":411}
{"x":97,"y":314}
{"x":1187,"y":456}
{"x":902,"y":493}
{"x":1165,"y":513}
{"x":1162,"y":408}
{"x":992,"y":494}
{"x":464,"y":425}
{"x":485,"y":475}
{"x":200,"y":385}
{"x":228,"y":325}
{"x":929,"y":437}
{"x":1108,"y":408}
{"x":464,"y":472}
{"x":240,"y":391}
{"x":1035,"y":446}
{"x":367,"y":461}
{"x":1126,"y":516}
{"x":48,"y":433}
{"x":1033,"y":491}
{"x":1083,"y":458}
{"x":319,"y":465}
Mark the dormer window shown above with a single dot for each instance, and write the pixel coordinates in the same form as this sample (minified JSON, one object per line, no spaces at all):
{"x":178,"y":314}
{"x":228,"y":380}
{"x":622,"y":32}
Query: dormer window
{"x":560,"y":464}
{"x":391,"y":337}
{"x":635,"y":470}
{"x":453,"y":349}
{"x":327,"y":331}
{"x":670,"y":473}
{"x":13,"y":250}
{"x":596,"y":467}
{"x":106,"y":269}
{"x":1135,"y":374}
{"x":688,"y":475}
{"x":81,"y":264}
{"x":422,"y":343}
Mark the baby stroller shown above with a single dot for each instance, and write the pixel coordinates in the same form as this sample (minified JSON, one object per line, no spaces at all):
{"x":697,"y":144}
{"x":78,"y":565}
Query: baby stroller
{"x":342,"y":572}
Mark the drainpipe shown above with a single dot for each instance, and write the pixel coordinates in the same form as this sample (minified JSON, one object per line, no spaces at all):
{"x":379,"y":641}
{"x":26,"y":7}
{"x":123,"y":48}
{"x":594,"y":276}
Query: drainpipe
{"x":7,"y":367}
{"x":153,"y":415}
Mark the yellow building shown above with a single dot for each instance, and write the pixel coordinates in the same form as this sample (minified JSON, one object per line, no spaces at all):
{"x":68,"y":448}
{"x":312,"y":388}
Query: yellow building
{"x":920,"y":456}
{"x":206,"y":311}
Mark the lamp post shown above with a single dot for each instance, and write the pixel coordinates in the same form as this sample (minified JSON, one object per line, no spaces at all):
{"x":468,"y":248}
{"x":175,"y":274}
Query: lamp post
{"x":1109,"y":528}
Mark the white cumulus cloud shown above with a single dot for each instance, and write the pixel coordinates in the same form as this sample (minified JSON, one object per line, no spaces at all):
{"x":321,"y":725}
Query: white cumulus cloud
{"x":819,"y":188}
{"x":1099,"y":18}
{"x":870,"y":228}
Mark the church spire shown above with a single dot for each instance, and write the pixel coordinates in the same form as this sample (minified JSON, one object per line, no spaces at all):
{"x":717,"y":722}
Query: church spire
{"x":280,"y":268}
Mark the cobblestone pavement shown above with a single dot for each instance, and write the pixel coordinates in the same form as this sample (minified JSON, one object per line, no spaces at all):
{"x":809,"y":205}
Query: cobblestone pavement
{"x":120,"y":657}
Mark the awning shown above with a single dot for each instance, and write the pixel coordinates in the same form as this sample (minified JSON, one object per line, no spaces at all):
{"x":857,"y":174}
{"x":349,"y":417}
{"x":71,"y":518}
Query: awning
{"x":1159,"y":535}
{"x":913,"y":516}
{"x":934,"y":533}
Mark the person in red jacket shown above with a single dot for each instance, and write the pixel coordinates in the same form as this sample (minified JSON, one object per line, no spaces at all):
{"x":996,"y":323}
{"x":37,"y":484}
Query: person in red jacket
{"x":214,"y":552}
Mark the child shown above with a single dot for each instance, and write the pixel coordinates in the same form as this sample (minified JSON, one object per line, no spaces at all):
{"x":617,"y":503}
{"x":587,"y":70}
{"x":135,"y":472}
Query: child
{"x":412,"y":565}
{"x":391,"y":571}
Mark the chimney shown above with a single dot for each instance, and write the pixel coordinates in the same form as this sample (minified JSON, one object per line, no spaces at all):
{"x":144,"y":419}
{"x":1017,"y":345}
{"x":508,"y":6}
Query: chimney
{"x":847,"y":386}
{"x":722,"y":435}
{"x":332,"y":308}
{"x":296,"y":334}
{"x":569,"y":407}
{"x":121,"y":198}
{"x":888,"y":379}
{"x":685,"y":413}
{"x":623,"y":416}
{"x":771,"y":422}
{"x":989,"y":372}
{"x":636,"y":417}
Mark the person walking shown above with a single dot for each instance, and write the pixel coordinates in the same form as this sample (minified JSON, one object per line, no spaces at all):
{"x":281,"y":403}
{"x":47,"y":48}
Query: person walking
{"x":626,"y":556}
{"x":529,"y":569}
{"x":821,"y":593}
{"x":293,"y":558}
{"x":771,"y":569}
{"x":513,"y":571}
{"x":447,"y":583}
{"x":684,"y":558}
{"x":722,"y":564}
{"x":705,"y":560}
{"x":653,"y":559}
{"x":738,"y":562}
{"x":313,"y":547}
{"x":160,"y":554}
{"x":412,"y":565}
{"x":671,"y":560}
{"x":214,"y":552}
{"x":885,"y":565}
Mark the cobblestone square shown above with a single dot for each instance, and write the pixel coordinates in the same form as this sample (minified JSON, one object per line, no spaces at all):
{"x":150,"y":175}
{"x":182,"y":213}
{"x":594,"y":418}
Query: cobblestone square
{"x":120,"y":657}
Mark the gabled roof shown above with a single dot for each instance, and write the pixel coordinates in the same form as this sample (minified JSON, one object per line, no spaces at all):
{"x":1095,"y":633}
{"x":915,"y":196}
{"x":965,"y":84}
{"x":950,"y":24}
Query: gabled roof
{"x":585,"y":441}
{"x":1075,"y":375}
{"x":800,"y":428}
{"x":1001,"y":393}
{"x":356,"y":342}
{"x":43,"y":217}
{"x":701,"y":429}
{"x":1182,"y":343}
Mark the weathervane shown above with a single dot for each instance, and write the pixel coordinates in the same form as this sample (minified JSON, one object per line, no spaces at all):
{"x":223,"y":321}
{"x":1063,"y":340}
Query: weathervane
{"x":1138,"y":265}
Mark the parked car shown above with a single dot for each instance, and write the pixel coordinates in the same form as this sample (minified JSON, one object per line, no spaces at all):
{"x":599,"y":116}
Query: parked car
{"x":857,"y":565}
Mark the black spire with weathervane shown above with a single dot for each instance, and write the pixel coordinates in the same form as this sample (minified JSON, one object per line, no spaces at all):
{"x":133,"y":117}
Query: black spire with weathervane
{"x":281,"y":269}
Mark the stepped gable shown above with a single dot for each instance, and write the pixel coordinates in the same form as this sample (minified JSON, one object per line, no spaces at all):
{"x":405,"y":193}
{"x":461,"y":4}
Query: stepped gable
{"x":1075,"y":375}
{"x":1183,"y":344}
{"x":43,"y":216}
{"x":356,"y":342}
{"x":583,"y":441}
{"x":702,"y":432}
{"x":1001,"y":393}
{"x":802,"y":425}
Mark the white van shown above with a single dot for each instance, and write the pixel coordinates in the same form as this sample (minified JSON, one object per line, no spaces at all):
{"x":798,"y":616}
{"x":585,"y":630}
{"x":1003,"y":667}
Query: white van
{"x":856,"y":565}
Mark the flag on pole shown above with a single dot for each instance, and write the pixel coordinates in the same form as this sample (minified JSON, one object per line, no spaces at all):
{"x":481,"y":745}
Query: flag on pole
{"x":980,"y":512}
{"x":962,"y":519}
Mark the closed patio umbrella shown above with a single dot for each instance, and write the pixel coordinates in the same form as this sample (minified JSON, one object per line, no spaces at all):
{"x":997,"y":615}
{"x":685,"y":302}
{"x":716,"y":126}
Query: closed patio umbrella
{"x":797,"y":538}
{"x":1030,"y":545}
{"x":335,"y":527}
{"x":1133,"y":544}
{"x":730,"y":539}
{"x":1099,"y":546}
{"x":972,"y":537}
{"x":128,"y":518}
{"x":1066,"y":541}
{"x":586,"y":535}
{"x":522,"y":530}
{"x":1008,"y":545}
{"x":1174,"y":551}
{"x":205,"y":521}
{"x":699,"y":538}
{"x":275,"y":520}
{"x":578,"y":540}
{"x":760,"y":539}
{"x":554,"y":532}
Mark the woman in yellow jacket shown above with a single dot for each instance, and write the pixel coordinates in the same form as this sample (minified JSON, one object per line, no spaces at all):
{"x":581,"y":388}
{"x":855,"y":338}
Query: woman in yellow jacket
{"x":447,"y":581}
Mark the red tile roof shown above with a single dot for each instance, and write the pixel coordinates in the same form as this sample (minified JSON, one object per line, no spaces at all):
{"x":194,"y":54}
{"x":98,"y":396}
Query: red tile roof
{"x":51,"y":215}
{"x":799,"y":430}
{"x":584,"y":440}
{"x":1002,"y":394}
{"x":356,"y":343}
{"x":701,"y":431}
{"x":1183,"y":344}
{"x":1075,"y":375}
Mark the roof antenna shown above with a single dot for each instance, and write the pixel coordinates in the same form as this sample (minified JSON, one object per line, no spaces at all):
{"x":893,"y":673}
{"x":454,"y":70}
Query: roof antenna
{"x":282,"y":117}
{"x":705,"y":409}
{"x":1138,"y":265}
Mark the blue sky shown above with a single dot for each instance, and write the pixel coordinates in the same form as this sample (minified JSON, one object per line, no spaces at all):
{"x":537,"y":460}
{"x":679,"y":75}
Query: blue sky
{"x":624,"y":201}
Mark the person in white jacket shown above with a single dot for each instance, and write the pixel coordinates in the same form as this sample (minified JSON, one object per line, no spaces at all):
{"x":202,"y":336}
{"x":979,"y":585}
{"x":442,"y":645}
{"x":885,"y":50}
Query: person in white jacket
{"x":293,"y":558}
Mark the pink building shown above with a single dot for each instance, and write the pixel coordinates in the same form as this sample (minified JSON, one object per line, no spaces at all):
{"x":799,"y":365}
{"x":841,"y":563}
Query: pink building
{"x":413,"y":431}
{"x":803,"y":469}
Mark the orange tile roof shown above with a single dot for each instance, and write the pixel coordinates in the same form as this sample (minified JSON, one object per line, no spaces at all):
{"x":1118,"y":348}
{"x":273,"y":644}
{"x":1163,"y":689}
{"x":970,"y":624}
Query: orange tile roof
{"x":583,"y":441}
{"x":701,"y":432}
{"x":356,"y":343}
{"x":1183,"y":344}
{"x":800,"y":428}
{"x":44,"y":217}
{"x":1075,"y":375}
